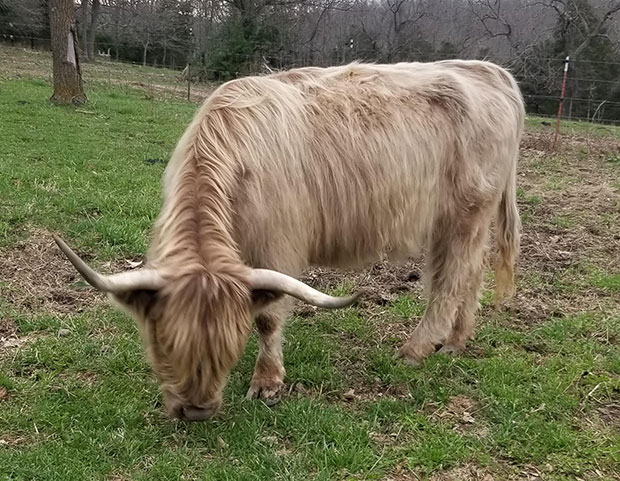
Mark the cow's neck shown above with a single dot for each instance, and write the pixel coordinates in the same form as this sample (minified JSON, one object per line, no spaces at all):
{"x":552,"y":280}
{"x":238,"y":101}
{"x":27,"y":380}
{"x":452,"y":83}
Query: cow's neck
{"x":194,"y":226}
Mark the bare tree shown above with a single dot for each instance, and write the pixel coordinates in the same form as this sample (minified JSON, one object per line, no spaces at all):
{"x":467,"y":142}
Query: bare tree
{"x":146,"y":23}
{"x":92,"y":29}
{"x":68,"y":87}
{"x":26,"y":19}
{"x":240,"y":36}
{"x":83,"y":23}
{"x":591,"y":22}
{"x":88,"y":23}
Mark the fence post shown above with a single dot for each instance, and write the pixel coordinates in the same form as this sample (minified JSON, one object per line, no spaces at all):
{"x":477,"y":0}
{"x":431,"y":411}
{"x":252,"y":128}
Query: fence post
{"x":189,"y":80}
{"x":557,"y":125}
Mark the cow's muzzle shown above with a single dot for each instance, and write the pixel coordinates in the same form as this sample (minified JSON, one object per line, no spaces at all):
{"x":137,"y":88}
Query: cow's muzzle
{"x":192,"y":413}
{"x":180,"y":409}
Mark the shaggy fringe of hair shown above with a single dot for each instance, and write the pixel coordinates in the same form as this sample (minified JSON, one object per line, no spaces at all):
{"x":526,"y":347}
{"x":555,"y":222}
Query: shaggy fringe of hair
{"x":204,"y":320}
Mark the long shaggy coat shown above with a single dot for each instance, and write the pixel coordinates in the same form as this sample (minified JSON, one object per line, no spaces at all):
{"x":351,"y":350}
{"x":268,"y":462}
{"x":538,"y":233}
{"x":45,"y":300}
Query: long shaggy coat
{"x":332,"y":167}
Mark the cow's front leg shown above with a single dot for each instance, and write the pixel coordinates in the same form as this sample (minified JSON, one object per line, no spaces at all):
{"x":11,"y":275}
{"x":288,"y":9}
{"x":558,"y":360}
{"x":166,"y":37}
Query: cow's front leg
{"x":268,"y":378}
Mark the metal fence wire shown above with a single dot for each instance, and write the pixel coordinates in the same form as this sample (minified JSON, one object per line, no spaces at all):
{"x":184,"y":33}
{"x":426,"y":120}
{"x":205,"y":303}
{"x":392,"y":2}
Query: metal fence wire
{"x":31,"y":56}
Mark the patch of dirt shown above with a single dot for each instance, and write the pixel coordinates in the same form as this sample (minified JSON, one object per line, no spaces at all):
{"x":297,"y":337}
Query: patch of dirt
{"x":542,"y":141}
{"x":554,"y":252}
{"x":382,"y":439}
{"x":8,"y":336}
{"x":461,"y":414}
{"x":10,"y":345}
{"x":8,"y":440}
{"x":359,"y":390}
{"x":610,"y":415}
{"x":381,"y":281}
{"x":87,"y":377}
{"x":538,"y":141}
{"x":36,"y":277}
{"x":8,"y":329}
{"x":498,"y":472}
{"x":593,"y":145}
{"x":373,"y":391}
{"x":401,"y":472}
{"x":468,"y":472}
{"x":464,"y":472}
{"x":4,"y":394}
{"x":458,"y":407}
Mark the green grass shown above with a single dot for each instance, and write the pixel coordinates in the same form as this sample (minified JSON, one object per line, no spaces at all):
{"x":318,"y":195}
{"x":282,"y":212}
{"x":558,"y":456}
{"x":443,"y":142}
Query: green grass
{"x":607,"y":281}
{"x":573,"y":127}
{"x":406,"y":307}
{"x":528,"y":199}
{"x":86,"y":406}
{"x":564,"y":221}
{"x":85,"y":171}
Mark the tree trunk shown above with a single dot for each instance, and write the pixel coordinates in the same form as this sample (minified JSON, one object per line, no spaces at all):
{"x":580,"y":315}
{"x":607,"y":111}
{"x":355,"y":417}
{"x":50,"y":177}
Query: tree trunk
{"x":116,"y":35}
{"x":146,"y":49}
{"x":84,"y":28}
{"x":68,"y":87}
{"x":92,"y":28}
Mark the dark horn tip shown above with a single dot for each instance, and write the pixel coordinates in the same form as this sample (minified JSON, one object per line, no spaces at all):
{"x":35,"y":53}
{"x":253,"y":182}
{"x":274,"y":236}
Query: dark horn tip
{"x":58,"y":240}
{"x":62,"y":245}
{"x":359,"y":294}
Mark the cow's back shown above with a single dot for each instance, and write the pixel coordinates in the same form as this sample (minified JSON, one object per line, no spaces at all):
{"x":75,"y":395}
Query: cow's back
{"x":338,"y":165}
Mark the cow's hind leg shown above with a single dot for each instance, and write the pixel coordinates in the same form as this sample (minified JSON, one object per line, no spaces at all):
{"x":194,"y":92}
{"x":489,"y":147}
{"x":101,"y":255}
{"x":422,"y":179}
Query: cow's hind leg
{"x":465,"y":321}
{"x":268,"y":378}
{"x":456,"y":247}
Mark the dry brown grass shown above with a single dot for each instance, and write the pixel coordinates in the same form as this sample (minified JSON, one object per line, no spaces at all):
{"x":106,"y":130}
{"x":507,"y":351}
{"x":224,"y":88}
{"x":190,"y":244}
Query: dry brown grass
{"x":37,"y":278}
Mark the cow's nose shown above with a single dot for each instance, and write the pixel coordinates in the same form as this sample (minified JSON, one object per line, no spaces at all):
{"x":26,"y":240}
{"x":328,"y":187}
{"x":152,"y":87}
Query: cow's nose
{"x":193,"y":413}
{"x":187,"y":411}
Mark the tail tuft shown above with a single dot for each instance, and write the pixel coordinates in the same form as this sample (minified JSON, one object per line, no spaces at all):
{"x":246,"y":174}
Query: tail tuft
{"x":508,"y":240}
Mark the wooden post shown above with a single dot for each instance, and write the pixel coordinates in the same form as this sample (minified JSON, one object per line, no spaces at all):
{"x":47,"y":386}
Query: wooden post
{"x":557,"y":124}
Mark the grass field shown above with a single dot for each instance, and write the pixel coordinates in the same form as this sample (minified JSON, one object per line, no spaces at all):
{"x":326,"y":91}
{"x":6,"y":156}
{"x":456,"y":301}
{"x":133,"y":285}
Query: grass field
{"x":536,"y":395}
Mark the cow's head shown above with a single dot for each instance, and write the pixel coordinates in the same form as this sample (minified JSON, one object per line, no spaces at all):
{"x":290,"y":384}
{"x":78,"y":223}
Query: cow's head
{"x":195,"y":323}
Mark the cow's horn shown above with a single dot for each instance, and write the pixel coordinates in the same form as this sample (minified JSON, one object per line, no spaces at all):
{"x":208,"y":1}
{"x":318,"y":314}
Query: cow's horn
{"x":268,"y":280}
{"x":148,"y":279}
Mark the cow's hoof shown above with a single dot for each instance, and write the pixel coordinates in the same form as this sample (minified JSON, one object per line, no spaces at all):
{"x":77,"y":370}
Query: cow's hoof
{"x":451,"y":350}
{"x":408,"y":357}
{"x":267,"y":390}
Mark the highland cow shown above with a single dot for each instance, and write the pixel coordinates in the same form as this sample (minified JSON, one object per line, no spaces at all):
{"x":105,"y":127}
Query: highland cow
{"x":326,"y":167}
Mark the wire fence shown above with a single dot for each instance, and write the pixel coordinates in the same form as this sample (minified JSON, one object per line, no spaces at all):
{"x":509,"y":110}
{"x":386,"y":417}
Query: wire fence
{"x":190,"y":82}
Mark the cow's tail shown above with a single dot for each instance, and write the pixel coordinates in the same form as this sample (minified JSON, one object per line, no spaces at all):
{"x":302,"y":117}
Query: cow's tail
{"x":508,"y":239}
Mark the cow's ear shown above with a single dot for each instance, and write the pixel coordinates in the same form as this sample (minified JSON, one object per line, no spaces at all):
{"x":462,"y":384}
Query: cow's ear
{"x":262,"y":298}
{"x":140,"y":302}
